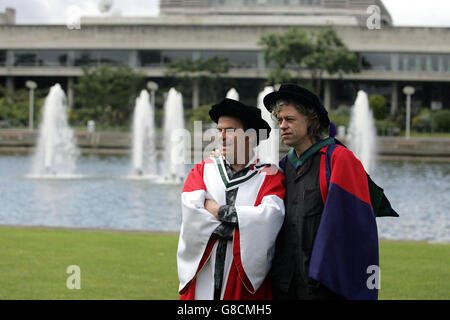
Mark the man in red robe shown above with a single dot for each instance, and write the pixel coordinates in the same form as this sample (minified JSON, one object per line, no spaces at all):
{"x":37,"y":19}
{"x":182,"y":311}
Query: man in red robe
{"x":232,"y":211}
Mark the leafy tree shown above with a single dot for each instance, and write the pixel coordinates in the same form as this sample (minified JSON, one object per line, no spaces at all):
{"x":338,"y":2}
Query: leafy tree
{"x":107,"y":95}
{"x":15,"y":110}
{"x":296,"y":50}
{"x":203,"y":73}
{"x":287,"y":50}
{"x":378,"y":105}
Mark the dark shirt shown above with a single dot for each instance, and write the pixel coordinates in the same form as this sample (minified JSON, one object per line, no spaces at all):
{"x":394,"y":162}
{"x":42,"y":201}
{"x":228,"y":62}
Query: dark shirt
{"x":228,"y":216}
{"x":304,"y":206}
{"x":227,"y":213}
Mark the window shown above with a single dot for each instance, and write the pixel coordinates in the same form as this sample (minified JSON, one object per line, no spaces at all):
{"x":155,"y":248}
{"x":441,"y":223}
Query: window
{"x":85,"y":58}
{"x":420,"y":62}
{"x":237,"y":59}
{"x":2,"y":58}
{"x":24,"y":58}
{"x":149,"y":58}
{"x":376,"y":61}
{"x":169,"y":56}
{"x":52,"y":58}
{"x":114,"y":58}
{"x":40,"y":58}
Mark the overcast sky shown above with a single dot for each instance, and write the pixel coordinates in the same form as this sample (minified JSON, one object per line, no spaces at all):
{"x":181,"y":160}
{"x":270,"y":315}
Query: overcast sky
{"x":404,"y":12}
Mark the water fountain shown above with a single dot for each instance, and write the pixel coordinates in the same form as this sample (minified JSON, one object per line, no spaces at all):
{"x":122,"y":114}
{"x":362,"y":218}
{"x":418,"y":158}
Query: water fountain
{"x":361,"y":134}
{"x":56,"y":152}
{"x":144,"y":150}
{"x":268,"y":150}
{"x":174,"y":138}
{"x":232,"y":94}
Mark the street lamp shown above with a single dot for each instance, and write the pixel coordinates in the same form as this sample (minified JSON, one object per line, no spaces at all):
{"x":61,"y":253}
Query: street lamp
{"x":31,"y":85}
{"x":152,"y":86}
{"x":408,"y":91}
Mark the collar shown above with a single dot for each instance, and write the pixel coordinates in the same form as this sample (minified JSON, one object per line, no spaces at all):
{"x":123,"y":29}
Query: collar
{"x":251,"y":163}
{"x":233,"y":183}
{"x":298,"y":161}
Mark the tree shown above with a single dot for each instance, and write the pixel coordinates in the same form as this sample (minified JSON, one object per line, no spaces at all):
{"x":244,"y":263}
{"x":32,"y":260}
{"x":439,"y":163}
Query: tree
{"x":317,"y":52}
{"x":199,"y":73}
{"x":14,"y":111}
{"x":378,"y":105}
{"x":107,"y":95}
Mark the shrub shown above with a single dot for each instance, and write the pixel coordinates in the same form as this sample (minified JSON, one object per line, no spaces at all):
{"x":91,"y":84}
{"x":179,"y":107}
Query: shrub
{"x":109,"y":93}
{"x":422,"y":122}
{"x":441,"y":120}
{"x":387,"y":128}
{"x":340,"y":120}
{"x":340,"y":116}
{"x":16,"y":111}
{"x":199,"y":114}
{"x":378,"y":105}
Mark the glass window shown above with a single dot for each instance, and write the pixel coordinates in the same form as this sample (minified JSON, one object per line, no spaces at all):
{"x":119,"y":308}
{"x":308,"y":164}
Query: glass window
{"x":149,"y":58}
{"x":406,"y":62}
{"x":40,"y":58}
{"x":169,"y":56}
{"x":2,"y":58}
{"x":51,"y":58}
{"x":237,"y":59}
{"x":420,"y":62}
{"x":432,"y":63}
{"x":444,"y":63}
{"x":376,"y":61}
{"x":85,"y":58}
{"x":114,"y":57}
{"x":24,"y":58}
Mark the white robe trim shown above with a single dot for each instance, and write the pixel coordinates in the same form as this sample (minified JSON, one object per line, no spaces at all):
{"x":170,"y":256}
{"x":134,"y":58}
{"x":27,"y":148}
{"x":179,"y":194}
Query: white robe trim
{"x":258,"y":229}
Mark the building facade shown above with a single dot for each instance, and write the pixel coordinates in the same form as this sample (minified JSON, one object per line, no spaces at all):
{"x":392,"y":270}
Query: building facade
{"x":390,"y":57}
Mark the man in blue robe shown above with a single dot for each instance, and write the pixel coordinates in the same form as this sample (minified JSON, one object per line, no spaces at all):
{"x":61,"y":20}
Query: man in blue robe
{"x":328,"y":245}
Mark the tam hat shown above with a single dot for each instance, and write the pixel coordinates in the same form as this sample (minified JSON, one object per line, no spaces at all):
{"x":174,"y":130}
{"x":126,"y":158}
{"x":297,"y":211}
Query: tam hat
{"x":250,"y":116}
{"x":301,"y":96}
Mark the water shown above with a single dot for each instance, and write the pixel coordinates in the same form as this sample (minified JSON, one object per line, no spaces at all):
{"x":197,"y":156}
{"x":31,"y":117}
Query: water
{"x":418,"y":191}
{"x":362,"y":133}
{"x":144,"y":150}
{"x":56,"y":151}
{"x":104,"y":198}
{"x":232,"y":94}
{"x":268,"y":149}
{"x":174,"y":137}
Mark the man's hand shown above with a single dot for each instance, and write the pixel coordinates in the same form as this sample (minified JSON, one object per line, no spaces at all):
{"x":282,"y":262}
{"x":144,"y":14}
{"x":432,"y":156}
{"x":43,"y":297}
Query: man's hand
{"x":212,"y":207}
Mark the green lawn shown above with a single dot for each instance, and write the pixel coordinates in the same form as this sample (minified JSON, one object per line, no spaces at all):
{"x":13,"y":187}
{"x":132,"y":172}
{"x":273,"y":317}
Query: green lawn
{"x":115,"y":265}
{"x":414,"y":270}
{"x":33,"y":264}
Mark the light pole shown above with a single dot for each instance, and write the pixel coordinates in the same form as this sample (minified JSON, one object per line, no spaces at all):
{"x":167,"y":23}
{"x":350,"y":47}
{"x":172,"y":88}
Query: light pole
{"x":408,"y":91}
{"x":31,"y":85}
{"x":152,"y":86}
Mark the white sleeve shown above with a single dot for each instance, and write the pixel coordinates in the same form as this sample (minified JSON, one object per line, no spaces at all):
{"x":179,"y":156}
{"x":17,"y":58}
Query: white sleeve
{"x":196,"y":228}
{"x":258,"y":230}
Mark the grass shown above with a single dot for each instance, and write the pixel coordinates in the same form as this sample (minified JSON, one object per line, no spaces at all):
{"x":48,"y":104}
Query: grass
{"x":114,"y":265}
{"x":33,"y":264}
{"x":414,"y":270}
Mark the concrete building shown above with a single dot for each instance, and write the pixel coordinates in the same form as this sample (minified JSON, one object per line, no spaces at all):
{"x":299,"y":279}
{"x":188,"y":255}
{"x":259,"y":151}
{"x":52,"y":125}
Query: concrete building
{"x":391,"y":57}
{"x":9,"y":17}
